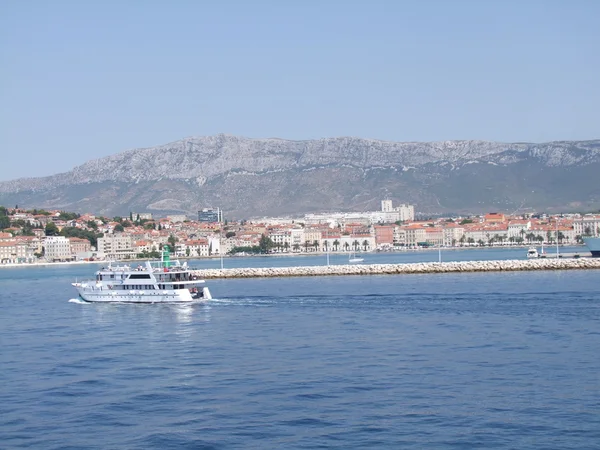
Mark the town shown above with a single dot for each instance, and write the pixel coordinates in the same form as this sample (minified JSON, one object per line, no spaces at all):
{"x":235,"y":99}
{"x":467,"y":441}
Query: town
{"x":39,"y":236}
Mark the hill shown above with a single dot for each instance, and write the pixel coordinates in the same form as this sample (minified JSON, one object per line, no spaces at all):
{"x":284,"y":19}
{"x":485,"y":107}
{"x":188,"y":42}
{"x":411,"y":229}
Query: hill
{"x":256,"y":177}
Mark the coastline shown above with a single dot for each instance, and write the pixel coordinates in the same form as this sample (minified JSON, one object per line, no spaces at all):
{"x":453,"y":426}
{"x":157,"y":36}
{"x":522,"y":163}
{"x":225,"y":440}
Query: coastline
{"x":289,"y":254}
{"x":48,"y":264}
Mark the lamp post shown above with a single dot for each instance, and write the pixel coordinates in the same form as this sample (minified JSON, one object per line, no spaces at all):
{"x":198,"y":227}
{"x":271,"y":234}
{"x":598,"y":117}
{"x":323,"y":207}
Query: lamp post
{"x":221,"y":245}
{"x":557,"y":237}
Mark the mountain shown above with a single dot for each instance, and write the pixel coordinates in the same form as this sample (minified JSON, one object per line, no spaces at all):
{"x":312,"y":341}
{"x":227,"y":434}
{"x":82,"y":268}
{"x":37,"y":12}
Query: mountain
{"x":257,"y":177}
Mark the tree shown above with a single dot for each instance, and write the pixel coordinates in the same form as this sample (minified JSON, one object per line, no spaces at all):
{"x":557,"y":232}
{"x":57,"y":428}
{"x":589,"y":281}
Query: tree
{"x":296,"y":247}
{"x":365,"y":245}
{"x":316,"y":245}
{"x":336,"y":245}
{"x":4,"y":222}
{"x":286,"y":246}
{"x":229,"y":234}
{"x":355,"y":245}
{"x":119,"y":228}
{"x":465,"y":221}
{"x":68,"y":215}
{"x":172,"y":240}
{"x":51,"y":229}
{"x":82,"y":234}
{"x":265,"y":244}
{"x":92,"y":224}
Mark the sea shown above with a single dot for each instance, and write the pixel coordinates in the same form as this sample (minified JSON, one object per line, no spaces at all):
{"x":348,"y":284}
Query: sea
{"x":439,"y":361}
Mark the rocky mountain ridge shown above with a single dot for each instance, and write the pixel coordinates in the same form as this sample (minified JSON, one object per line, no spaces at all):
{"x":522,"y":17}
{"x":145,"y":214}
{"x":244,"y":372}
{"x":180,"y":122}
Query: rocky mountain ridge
{"x":240,"y":174}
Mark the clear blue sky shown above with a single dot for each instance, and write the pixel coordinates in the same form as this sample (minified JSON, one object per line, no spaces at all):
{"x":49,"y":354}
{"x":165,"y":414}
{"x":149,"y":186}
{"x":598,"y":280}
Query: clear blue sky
{"x":84,"y":79}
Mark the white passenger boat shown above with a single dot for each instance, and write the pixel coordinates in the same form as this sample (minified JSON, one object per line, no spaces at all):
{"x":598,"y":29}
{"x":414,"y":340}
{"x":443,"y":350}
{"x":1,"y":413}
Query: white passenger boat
{"x":532,"y":253}
{"x":162,"y":281}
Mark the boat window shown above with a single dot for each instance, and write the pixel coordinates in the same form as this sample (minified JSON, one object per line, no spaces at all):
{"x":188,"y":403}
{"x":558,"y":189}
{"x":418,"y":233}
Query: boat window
{"x":138,"y":276}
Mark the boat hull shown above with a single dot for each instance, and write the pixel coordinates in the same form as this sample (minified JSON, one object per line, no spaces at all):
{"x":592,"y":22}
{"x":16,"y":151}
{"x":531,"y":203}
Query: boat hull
{"x":593,"y":244}
{"x":104,"y":296}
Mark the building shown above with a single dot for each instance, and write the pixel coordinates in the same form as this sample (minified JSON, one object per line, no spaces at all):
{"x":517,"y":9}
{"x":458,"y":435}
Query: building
{"x":116,"y":246}
{"x":175,"y":218}
{"x":80,"y":248}
{"x":494,"y":217}
{"x":384,"y":235}
{"x":141,"y":216}
{"x":210,"y":215}
{"x":58,"y":248}
{"x":386,"y":206}
{"x":588,"y":225}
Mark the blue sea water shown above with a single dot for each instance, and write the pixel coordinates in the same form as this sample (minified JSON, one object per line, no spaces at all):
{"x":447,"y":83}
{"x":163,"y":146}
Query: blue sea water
{"x":483,"y":360}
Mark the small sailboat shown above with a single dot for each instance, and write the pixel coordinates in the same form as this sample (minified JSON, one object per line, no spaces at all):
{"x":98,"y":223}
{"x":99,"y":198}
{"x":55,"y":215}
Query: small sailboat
{"x":353,"y":259}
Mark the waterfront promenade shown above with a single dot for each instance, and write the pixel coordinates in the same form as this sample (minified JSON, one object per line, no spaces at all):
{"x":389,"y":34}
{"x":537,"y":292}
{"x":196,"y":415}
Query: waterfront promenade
{"x":410,"y":268}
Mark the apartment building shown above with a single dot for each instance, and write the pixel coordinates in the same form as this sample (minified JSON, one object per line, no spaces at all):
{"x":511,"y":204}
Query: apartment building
{"x":80,"y":248}
{"x":58,"y":248}
{"x":116,"y":246}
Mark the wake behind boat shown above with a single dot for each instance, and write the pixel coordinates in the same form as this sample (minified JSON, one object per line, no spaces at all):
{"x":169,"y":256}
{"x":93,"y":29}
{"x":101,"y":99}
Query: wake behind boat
{"x":162,"y":281}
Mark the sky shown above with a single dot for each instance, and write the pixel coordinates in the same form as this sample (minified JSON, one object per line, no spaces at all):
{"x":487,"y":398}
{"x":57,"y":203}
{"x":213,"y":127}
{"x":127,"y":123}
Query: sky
{"x":80,"y":80}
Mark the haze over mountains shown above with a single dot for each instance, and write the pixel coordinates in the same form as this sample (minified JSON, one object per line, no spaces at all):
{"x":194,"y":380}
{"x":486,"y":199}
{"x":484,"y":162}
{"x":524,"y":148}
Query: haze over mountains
{"x":257,"y":177}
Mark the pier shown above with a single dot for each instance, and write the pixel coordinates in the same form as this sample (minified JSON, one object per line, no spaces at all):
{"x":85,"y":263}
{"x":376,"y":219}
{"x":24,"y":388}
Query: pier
{"x":398,"y":269}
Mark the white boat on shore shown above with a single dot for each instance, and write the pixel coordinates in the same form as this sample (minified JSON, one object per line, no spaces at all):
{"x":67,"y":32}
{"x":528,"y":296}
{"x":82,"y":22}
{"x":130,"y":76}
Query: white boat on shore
{"x":162,"y":281}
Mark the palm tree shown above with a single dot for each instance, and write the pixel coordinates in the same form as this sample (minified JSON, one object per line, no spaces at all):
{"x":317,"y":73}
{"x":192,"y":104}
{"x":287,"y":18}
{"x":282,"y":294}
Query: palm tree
{"x":326,"y":245}
{"x":365,"y":245}
{"x":286,"y":246}
{"x":346,"y":246}
{"x":316,"y":245}
{"x":587,"y":231}
{"x":306,"y":244}
{"x":355,"y":244}
{"x":336,"y":245}
{"x":462,"y":240}
{"x":296,"y":247}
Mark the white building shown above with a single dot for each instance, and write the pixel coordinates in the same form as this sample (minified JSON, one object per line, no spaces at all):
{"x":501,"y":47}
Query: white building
{"x":116,"y":246}
{"x":177,"y":218}
{"x":588,"y":224}
{"x":58,"y":248}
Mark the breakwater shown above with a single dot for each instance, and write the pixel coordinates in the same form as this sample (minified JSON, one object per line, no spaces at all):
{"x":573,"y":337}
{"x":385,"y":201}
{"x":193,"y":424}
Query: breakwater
{"x":397,"y":269}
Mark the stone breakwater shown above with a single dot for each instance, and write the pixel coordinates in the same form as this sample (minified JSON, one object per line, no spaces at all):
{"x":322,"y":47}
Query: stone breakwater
{"x":396,"y":269}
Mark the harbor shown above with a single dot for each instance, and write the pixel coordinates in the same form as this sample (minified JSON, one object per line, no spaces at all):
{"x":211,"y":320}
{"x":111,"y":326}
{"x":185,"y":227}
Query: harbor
{"x":537,"y":264}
